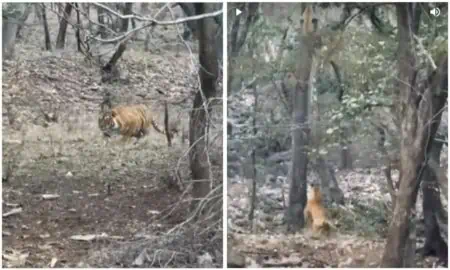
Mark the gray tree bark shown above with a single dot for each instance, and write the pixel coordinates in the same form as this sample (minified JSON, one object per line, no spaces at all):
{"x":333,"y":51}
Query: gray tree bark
{"x":416,"y":114}
{"x":198,"y":158}
{"x":300,"y":134}
{"x":61,"y":38}
{"x":12,"y":13}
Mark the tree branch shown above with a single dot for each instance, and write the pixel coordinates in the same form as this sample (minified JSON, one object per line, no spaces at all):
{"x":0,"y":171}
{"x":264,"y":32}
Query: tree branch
{"x":151,"y":22}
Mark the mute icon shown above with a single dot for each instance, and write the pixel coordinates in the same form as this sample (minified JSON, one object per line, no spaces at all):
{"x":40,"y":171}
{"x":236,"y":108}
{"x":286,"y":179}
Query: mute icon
{"x":435,"y":12}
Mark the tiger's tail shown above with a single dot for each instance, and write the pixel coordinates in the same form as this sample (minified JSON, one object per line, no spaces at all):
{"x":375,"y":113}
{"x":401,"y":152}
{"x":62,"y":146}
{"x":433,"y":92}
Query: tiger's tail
{"x":156,"y":127}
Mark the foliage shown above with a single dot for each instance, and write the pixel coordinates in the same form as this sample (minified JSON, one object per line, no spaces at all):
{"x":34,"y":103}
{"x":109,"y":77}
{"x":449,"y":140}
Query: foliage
{"x":367,"y":220}
{"x":368,"y":78}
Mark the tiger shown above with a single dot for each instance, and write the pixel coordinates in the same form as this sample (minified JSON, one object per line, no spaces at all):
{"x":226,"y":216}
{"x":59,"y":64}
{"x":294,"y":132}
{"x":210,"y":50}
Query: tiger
{"x":127,"y":120}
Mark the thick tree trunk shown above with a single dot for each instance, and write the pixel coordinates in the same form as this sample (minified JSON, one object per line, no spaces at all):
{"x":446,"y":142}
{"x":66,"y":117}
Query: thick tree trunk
{"x":198,"y":156}
{"x":61,"y":38}
{"x":48,"y":42}
{"x":417,"y":112}
{"x":300,"y":135}
{"x":410,"y":159}
{"x":432,"y":206}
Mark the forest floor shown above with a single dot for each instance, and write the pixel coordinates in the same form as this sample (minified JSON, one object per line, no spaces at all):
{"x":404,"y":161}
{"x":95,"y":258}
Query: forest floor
{"x":72,"y":198}
{"x":358,"y":239}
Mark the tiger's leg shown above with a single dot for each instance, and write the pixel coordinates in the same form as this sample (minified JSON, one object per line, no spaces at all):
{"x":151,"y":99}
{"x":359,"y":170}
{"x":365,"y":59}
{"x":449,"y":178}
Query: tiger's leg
{"x":144,"y":132}
{"x":141,"y":133}
{"x":125,"y":139}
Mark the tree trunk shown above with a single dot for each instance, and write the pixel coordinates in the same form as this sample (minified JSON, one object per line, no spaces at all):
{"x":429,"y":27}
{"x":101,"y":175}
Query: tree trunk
{"x":190,"y":27}
{"x":238,"y":36}
{"x":77,"y":30}
{"x":48,"y":42}
{"x":169,"y":135}
{"x":432,"y":206}
{"x":253,"y":198}
{"x":198,"y":156}
{"x":416,"y":113}
{"x":61,"y":39}
{"x":101,"y":13}
{"x":346,"y":158}
{"x":87,"y":8}
{"x":300,"y":135}
{"x":23,"y":19}
{"x":12,"y":12}
{"x":328,"y":182}
{"x":37,"y":13}
{"x":127,"y":10}
{"x":110,"y":67}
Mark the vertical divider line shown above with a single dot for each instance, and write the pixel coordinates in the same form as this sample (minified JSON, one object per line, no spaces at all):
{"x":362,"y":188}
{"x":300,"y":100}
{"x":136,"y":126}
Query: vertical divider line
{"x":1,"y":135}
{"x":224,"y":134}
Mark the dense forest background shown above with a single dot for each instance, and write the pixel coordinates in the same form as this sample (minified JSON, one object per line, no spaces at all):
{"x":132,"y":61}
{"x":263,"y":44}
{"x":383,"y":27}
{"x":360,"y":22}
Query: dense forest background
{"x":354,"y":136}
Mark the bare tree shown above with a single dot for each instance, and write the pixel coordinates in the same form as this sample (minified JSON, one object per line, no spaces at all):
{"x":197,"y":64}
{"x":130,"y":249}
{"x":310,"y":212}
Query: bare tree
{"x":48,"y":43}
{"x":198,"y":121}
{"x":12,"y":14}
{"x":61,"y":38}
{"x":23,"y":19}
{"x":110,"y":67}
{"x":419,"y":106}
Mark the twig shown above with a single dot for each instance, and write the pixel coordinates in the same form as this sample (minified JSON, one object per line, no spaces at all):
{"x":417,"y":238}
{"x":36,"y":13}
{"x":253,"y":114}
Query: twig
{"x":154,"y":21}
{"x":425,"y":52}
{"x":197,"y":210}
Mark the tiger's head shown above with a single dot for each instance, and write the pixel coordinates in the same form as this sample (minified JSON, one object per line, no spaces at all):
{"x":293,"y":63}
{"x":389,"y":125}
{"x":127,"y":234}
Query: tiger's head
{"x":108,"y":124}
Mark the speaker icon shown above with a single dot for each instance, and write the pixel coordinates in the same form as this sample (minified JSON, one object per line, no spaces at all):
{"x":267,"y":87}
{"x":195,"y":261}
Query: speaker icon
{"x":435,"y":12}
